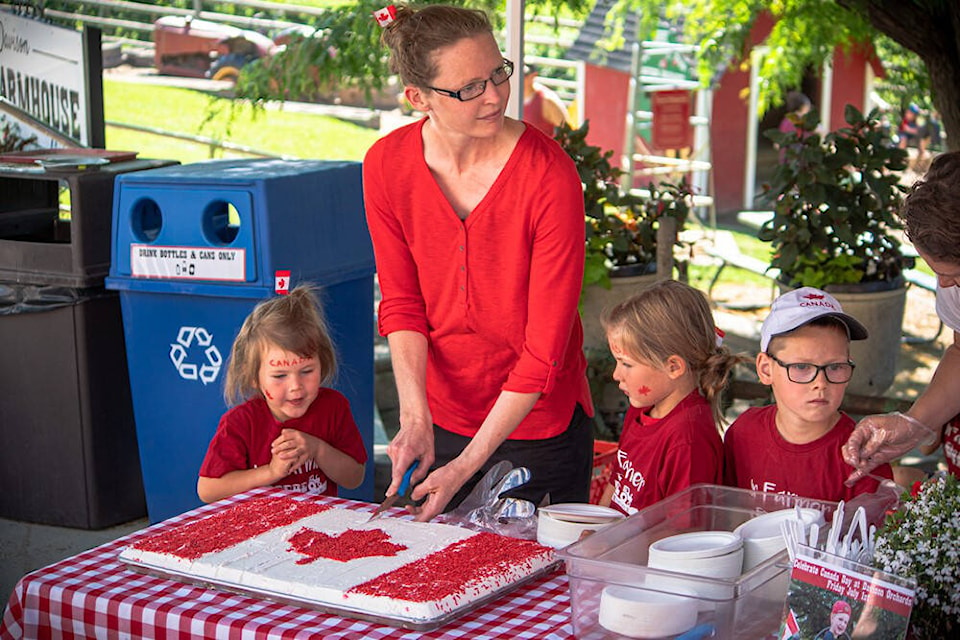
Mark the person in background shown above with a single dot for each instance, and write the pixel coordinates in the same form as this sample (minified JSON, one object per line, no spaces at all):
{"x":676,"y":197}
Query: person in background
{"x":542,"y":107}
{"x":672,"y":367}
{"x":288,"y":430}
{"x":909,"y":130}
{"x":793,"y":446}
{"x":477,"y":228}
{"x":929,"y":140}
{"x":798,"y":106}
{"x":931,"y":216}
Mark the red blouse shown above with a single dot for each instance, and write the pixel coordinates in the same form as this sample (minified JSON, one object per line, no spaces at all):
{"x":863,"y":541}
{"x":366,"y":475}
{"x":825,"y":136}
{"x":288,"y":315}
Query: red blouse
{"x":496,"y":294}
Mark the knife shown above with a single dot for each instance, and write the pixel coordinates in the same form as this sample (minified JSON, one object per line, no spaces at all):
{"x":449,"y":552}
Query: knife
{"x":404,"y":485}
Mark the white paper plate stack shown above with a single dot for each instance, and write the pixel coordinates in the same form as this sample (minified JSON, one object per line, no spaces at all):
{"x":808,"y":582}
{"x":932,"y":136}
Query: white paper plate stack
{"x":762,"y":537}
{"x":561,"y":524}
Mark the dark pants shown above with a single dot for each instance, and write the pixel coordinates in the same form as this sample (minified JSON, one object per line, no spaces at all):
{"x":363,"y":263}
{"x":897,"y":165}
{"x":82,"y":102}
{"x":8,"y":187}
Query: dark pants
{"x":561,"y":466}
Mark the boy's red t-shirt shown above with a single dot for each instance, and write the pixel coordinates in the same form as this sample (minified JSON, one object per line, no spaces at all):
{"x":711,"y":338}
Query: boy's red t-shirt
{"x":245,"y":432}
{"x":757,"y":457}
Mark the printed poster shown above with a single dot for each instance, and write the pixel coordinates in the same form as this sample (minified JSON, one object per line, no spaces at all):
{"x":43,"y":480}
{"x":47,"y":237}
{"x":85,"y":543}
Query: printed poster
{"x":831,"y":598}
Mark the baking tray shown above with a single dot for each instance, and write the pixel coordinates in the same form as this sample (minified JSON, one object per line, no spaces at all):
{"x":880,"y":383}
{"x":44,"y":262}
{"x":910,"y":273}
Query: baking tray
{"x":64,"y":159}
{"x":415,"y":624}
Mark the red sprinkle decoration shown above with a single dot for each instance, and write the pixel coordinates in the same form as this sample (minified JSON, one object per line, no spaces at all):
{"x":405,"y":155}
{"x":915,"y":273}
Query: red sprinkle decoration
{"x":349,"y":545}
{"x":454,"y":569}
{"x":228,"y":528}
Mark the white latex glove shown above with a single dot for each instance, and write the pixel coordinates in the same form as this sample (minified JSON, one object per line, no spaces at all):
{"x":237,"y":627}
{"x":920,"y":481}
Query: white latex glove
{"x":882,"y":438}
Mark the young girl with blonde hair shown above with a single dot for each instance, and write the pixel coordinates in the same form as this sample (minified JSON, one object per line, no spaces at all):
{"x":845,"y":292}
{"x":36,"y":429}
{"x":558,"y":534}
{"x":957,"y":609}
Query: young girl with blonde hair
{"x":672,"y":367}
{"x":288,"y":429}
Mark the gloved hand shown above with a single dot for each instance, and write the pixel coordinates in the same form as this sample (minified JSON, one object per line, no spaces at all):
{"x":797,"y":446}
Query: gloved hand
{"x":486,"y":509}
{"x":882,"y":438}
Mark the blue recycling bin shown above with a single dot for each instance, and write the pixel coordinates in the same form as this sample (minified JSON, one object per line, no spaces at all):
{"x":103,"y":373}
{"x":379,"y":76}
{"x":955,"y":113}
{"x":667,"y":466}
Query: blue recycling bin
{"x":195,"y":248}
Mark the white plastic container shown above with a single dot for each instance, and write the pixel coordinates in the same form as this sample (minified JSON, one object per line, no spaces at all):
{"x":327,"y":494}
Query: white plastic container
{"x":748,"y":605}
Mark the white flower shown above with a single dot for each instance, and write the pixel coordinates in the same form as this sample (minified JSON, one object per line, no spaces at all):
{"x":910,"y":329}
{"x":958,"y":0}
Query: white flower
{"x":922,"y":541}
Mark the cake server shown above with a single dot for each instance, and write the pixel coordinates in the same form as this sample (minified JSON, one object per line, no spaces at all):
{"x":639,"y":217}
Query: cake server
{"x":401,"y":491}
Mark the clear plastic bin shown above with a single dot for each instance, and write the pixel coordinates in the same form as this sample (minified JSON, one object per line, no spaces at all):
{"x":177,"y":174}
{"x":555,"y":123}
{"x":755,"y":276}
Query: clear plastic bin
{"x":749,"y":606}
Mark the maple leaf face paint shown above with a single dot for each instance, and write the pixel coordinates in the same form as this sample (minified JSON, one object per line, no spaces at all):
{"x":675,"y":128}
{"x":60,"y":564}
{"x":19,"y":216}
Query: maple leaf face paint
{"x":642,"y":383}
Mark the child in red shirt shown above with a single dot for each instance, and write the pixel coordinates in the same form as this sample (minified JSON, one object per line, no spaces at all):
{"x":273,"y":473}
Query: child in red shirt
{"x":794,"y":446}
{"x":672,"y":367}
{"x":289,"y":430}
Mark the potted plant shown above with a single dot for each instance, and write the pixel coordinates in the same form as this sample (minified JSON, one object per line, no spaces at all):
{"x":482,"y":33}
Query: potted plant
{"x":919,"y":540}
{"x":621,"y":254}
{"x":621,"y":229}
{"x":835,"y":198}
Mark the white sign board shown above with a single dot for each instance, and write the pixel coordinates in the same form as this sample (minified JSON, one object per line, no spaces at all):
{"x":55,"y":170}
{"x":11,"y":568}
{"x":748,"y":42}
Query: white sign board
{"x":187,"y":263}
{"x":43,"y":71}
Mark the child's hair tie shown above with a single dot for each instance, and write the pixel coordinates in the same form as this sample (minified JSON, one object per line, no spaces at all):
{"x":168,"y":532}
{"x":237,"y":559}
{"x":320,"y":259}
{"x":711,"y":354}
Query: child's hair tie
{"x":386,"y":15}
{"x":720,"y":335}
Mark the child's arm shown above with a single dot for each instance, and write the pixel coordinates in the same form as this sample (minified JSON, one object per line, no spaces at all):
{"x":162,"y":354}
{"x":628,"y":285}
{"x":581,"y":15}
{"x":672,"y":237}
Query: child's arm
{"x":240,"y":480}
{"x":607,"y":495}
{"x":299,"y":447}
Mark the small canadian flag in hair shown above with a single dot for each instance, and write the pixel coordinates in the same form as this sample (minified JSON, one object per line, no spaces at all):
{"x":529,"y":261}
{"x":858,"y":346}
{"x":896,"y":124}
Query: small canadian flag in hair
{"x":281,"y":282}
{"x":386,"y":15}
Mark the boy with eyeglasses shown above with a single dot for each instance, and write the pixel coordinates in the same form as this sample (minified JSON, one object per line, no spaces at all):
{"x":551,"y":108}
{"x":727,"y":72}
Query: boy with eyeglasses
{"x":794,"y":445}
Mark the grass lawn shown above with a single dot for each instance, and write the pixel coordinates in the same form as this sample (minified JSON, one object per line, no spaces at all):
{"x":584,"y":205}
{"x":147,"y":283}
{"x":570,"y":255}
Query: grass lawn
{"x":195,"y":113}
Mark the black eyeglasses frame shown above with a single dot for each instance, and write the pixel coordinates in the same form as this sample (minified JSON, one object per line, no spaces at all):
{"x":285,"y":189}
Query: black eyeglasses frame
{"x":507,"y":64}
{"x":789,"y":366}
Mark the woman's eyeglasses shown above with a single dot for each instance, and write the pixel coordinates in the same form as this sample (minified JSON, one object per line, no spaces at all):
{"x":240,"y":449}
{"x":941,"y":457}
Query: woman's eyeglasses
{"x":475,"y":89}
{"x":806,"y":372}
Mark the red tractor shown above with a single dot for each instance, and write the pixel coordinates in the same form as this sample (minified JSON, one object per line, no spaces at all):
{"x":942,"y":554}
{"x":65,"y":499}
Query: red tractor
{"x":187,"y":46}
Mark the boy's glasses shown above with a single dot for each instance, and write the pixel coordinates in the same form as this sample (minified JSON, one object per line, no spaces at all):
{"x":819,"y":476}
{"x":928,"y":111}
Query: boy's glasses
{"x":475,"y":89}
{"x":806,"y":372}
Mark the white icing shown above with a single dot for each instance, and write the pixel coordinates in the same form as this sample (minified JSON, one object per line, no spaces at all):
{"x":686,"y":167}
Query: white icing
{"x":265,"y":564}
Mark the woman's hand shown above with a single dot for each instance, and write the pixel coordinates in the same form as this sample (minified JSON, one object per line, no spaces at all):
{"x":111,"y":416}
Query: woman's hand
{"x":438,"y":488}
{"x":882,"y":438}
{"x":414,"y":441}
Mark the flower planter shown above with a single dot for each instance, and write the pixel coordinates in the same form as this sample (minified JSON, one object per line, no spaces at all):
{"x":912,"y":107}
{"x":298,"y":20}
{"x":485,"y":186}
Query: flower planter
{"x":596,"y":298}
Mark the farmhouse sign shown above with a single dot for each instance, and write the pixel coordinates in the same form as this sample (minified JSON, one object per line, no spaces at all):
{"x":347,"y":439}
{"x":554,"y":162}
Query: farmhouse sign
{"x":54,"y":75}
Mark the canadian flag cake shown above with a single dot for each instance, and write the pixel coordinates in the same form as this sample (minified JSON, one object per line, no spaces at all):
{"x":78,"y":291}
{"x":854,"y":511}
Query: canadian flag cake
{"x":299,"y":549}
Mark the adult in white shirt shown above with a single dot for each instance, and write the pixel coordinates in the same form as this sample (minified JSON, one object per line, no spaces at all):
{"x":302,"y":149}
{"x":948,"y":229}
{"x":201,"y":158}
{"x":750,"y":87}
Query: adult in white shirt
{"x":931,"y":215}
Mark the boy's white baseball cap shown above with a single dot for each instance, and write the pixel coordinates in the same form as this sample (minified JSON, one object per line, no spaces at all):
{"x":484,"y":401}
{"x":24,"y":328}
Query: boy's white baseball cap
{"x":800,"y":306}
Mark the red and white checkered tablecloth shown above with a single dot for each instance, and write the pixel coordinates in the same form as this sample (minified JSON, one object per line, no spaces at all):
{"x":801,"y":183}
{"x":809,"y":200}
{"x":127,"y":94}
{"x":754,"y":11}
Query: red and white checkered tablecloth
{"x":94,"y":595}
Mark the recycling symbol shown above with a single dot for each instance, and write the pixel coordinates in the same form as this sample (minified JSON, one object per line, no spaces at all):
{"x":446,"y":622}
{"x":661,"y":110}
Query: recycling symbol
{"x":193,"y":339}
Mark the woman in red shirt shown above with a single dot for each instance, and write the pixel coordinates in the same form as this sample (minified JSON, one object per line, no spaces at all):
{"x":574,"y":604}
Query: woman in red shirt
{"x":477,"y":227}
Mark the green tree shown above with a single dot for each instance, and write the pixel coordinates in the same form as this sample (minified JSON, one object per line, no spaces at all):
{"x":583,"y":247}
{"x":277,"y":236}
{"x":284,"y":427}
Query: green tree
{"x":806,"y":33}
{"x":345,"y":51}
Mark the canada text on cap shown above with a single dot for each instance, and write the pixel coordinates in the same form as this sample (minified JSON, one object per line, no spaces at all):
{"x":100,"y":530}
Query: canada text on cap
{"x":801,"y":306}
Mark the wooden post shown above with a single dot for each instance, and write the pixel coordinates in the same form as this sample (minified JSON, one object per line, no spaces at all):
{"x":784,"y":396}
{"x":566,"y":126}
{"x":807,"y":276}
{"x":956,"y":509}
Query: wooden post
{"x":666,"y":237}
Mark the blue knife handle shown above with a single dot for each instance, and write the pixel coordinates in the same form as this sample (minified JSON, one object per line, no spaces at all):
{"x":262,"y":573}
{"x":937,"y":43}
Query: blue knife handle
{"x":405,"y":482}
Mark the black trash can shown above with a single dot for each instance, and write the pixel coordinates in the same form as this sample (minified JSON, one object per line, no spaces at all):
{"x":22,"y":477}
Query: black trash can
{"x":68,"y":448}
